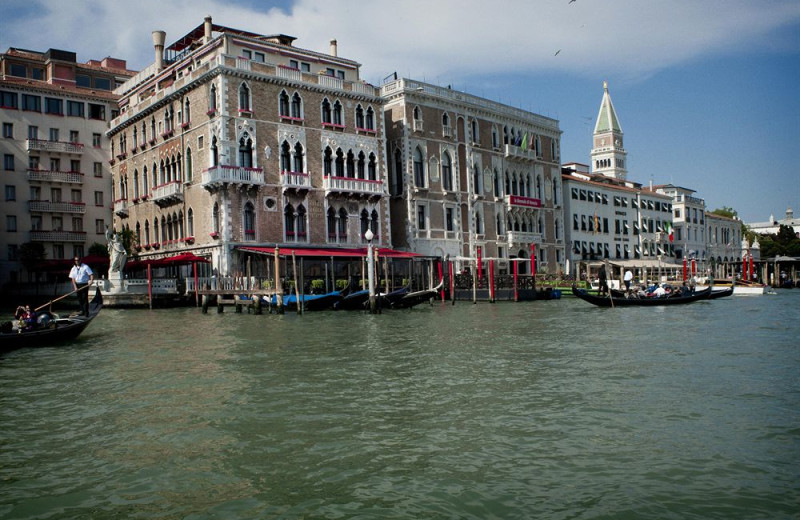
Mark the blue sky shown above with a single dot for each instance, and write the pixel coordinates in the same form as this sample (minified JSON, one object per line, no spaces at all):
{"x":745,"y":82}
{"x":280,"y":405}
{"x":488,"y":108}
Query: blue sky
{"x":706,"y":92}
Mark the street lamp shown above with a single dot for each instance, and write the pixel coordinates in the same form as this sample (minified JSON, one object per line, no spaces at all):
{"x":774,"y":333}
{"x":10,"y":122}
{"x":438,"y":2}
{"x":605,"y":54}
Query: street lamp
{"x":369,"y":235}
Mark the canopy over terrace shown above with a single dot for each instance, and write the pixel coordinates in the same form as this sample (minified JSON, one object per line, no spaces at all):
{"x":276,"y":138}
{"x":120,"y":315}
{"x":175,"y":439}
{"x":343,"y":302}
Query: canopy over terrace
{"x":340,"y":263}
{"x":642,"y":268}
{"x":181,"y":259}
{"x":336,"y":252}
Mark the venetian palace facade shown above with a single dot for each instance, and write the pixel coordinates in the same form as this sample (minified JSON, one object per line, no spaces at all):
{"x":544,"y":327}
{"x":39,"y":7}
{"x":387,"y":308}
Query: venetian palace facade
{"x":56,"y":179}
{"x":233,"y":139}
{"x":472,"y":179}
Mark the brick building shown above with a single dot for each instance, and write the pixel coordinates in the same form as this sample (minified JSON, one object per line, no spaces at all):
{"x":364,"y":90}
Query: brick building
{"x":233,"y":139}
{"x":469,"y":177}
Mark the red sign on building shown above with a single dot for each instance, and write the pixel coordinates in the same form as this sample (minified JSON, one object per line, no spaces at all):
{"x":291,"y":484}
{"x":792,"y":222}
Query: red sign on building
{"x":516,"y":200}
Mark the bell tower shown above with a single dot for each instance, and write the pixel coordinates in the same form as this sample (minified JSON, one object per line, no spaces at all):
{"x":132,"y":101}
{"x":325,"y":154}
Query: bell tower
{"x":608,"y":150}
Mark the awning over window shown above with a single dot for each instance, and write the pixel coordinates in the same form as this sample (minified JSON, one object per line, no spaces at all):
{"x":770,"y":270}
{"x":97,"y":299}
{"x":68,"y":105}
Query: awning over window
{"x":346,"y":252}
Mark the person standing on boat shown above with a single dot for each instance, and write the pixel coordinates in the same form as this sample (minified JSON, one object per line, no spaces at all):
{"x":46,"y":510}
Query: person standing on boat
{"x":627,"y":279}
{"x":602,"y":281}
{"x":81,"y":276}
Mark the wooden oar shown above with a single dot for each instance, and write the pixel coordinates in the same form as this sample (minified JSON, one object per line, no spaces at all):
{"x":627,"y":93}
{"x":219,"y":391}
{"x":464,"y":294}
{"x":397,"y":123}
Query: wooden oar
{"x":610,"y":298}
{"x":51,"y":302}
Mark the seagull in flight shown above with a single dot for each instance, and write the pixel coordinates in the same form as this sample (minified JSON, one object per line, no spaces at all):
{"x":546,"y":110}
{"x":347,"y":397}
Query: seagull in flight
{"x":559,"y":50}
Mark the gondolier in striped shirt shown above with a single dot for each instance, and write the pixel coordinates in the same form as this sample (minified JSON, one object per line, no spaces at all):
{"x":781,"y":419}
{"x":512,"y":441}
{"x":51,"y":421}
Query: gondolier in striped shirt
{"x":81,"y":276}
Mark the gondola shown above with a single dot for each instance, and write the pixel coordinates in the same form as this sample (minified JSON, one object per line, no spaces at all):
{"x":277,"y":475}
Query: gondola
{"x":311,"y":302}
{"x":392,"y":297}
{"x":652,"y":301}
{"x":721,"y":294}
{"x":50,"y":329}
{"x":415,"y":298}
{"x":354,"y":301}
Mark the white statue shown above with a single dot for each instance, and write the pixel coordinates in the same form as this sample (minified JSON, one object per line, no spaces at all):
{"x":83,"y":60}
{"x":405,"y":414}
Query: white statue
{"x":116,"y":252}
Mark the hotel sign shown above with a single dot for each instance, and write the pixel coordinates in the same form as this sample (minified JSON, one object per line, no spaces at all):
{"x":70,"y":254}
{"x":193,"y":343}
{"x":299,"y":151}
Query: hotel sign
{"x":526,"y":202}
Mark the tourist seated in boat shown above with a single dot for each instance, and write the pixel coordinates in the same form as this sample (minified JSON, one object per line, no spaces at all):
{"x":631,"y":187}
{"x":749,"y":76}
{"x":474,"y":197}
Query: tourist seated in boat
{"x":28,"y":318}
{"x":659,"y":292}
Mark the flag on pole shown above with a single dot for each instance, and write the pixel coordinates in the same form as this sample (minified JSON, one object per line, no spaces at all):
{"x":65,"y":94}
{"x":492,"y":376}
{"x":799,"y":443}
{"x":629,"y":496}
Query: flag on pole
{"x":524,"y":144}
{"x":670,"y":230}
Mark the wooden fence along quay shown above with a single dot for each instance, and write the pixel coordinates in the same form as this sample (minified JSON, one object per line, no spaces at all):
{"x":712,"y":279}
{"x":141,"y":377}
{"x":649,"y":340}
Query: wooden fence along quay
{"x":256,"y":293}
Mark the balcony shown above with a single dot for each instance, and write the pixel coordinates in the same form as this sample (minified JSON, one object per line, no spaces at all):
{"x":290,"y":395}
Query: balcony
{"x":519,"y":202}
{"x":46,"y":206}
{"x":331,"y":82}
{"x":121,"y":207}
{"x":53,"y":146}
{"x":167,"y":194}
{"x":218,"y":176}
{"x":295,"y":181}
{"x":523,"y":237}
{"x":291,"y":73}
{"x":350,"y":186}
{"x":55,"y":176}
{"x":517,"y":152}
{"x":37,"y":235}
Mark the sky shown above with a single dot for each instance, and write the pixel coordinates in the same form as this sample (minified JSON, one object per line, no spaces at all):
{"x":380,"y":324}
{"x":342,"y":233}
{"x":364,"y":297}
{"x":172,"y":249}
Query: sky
{"x":707,"y":92}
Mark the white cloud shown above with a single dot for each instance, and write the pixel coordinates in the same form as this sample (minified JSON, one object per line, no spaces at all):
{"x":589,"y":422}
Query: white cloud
{"x":447,"y":39}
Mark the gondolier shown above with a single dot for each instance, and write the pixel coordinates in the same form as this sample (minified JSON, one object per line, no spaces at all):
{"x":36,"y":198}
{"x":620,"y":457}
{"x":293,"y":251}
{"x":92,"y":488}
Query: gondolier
{"x":81,"y":276}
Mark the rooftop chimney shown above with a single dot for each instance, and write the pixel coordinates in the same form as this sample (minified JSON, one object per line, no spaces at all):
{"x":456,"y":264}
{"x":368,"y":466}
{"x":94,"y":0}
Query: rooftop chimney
{"x":207,"y":29}
{"x":334,"y":48}
{"x":158,"y":43}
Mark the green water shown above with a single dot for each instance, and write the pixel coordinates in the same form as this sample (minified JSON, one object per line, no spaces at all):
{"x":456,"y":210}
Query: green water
{"x":530,"y":410}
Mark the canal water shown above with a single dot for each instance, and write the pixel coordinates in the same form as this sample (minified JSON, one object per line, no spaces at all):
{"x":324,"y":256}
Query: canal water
{"x":550,"y":410}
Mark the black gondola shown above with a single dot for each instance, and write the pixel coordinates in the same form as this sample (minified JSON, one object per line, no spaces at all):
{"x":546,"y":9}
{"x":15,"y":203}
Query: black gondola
{"x":721,"y":294}
{"x":415,"y":298}
{"x":50,"y":331}
{"x":614,"y":301}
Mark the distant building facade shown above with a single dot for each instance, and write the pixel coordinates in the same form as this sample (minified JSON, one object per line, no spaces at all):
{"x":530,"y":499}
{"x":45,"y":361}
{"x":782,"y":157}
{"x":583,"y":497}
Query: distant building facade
{"x":689,"y":221}
{"x":472,"y":178}
{"x":56,"y":178}
{"x":233,"y":139}
{"x":725,"y":248}
{"x":772,"y":226}
{"x":614,"y":219}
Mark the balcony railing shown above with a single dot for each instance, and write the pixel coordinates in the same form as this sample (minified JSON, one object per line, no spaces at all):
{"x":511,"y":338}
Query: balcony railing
{"x":520,"y":153}
{"x":55,"y":176}
{"x":523,"y":237}
{"x":121,"y":207}
{"x":288,"y":73}
{"x":517,"y":201}
{"x":167,"y":193}
{"x":331,"y":82}
{"x":54,"y":146}
{"x":56,"y":207}
{"x":353,"y":186}
{"x":38,"y":235}
{"x":225,"y":174}
{"x":296,"y":180}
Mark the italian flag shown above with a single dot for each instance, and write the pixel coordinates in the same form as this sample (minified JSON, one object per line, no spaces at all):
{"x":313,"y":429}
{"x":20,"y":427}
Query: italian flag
{"x":668,"y":227}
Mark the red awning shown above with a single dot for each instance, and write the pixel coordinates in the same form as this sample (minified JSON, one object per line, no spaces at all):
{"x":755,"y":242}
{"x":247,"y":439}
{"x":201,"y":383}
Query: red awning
{"x":339,"y":252}
{"x":185,"y":259}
